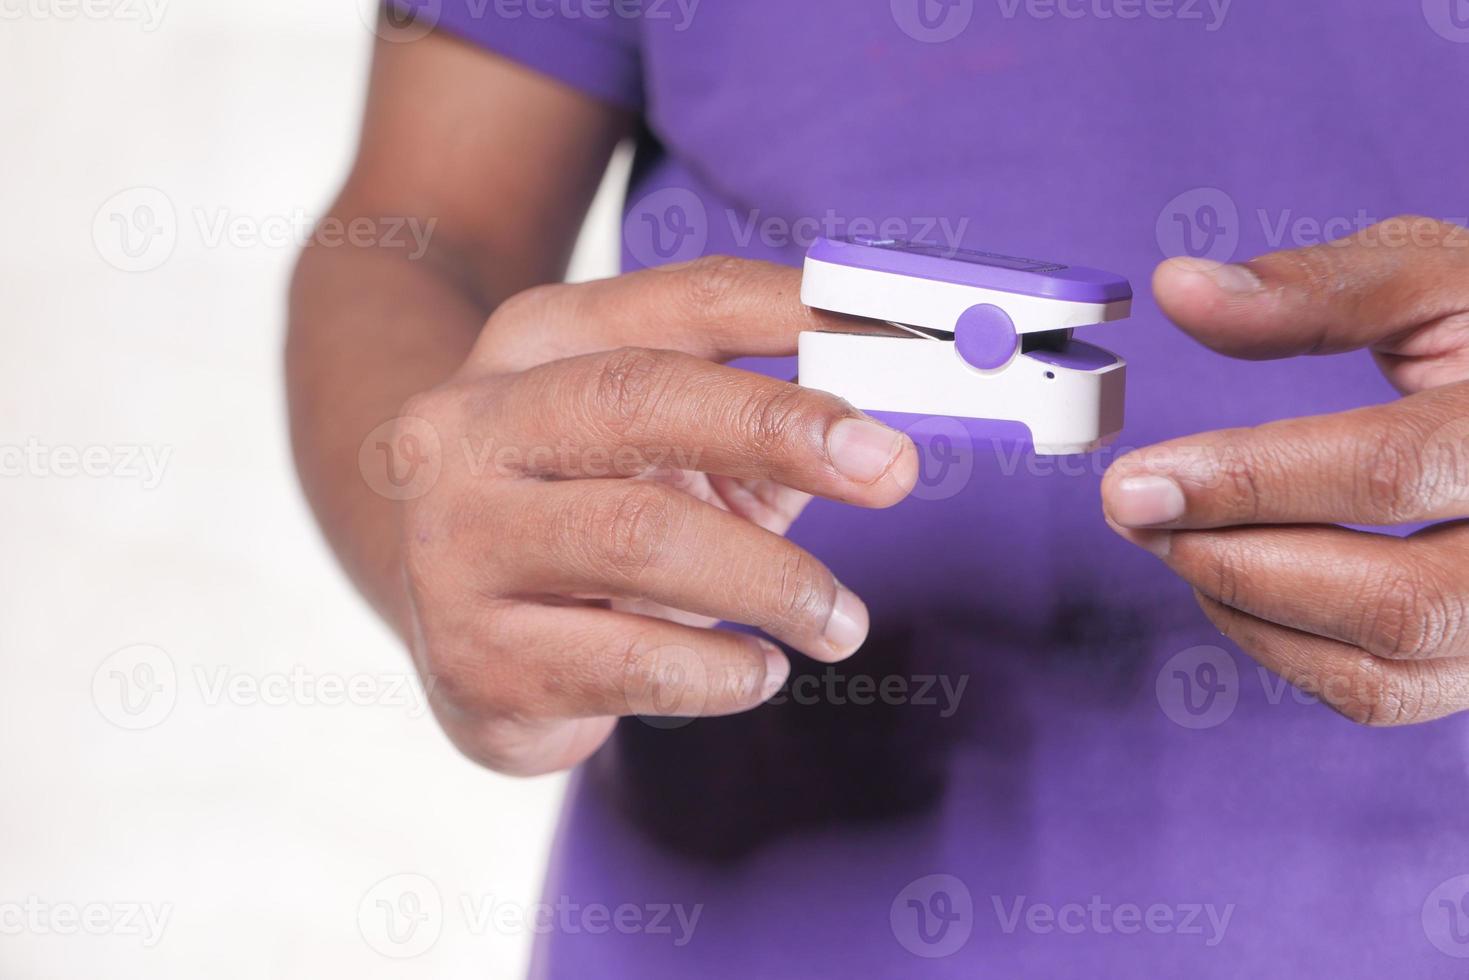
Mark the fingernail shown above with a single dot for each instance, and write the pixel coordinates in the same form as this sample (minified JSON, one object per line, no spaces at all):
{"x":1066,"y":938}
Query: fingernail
{"x":847,"y":627}
{"x":777,"y":669}
{"x":1146,"y":501}
{"x":1228,"y":277}
{"x":861,"y":450}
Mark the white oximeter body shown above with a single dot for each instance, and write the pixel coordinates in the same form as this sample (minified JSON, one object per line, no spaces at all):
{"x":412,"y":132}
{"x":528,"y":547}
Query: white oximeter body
{"x":988,"y":341}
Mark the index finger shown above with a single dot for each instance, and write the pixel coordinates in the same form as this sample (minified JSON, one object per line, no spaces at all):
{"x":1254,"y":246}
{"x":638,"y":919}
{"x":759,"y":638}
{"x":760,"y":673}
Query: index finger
{"x":717,"y":308}
{"x":615,"y":413}
{"x":1400,"y":463}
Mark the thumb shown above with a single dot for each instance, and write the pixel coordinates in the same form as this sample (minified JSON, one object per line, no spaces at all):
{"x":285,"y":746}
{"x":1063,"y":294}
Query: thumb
{"x":1377,"y":289}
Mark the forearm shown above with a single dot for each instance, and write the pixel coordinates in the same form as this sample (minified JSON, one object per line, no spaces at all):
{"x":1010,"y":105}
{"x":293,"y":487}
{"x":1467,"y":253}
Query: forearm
{"x":369,"y":328}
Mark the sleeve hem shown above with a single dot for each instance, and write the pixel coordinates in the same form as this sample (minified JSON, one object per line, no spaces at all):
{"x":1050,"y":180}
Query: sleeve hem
{"x":595,"y":65}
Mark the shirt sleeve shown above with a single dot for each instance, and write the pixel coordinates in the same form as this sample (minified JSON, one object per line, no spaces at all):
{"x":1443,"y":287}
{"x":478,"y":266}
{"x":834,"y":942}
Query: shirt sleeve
{"x":591,"y":46}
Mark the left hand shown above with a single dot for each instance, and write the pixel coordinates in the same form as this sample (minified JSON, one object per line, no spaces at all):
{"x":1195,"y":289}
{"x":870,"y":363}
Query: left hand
{"x":1376,"y":626}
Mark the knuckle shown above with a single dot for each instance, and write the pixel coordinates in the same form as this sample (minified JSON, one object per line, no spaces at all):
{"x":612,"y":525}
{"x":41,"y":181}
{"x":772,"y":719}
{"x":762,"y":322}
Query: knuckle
{"x":1392,"y":703}
{"x":712,"y":283}
{"x":1409,"y":617}
{"x":500,"y":346}
{"x":1229,"y":571}
{"x":424,"y":405}
{"x":644,"y":674}
{"x":739,"y":683}
{"x":678,"y":681}
{"x":634,"y":527}
{"x":805,"y":595}
{"x":662,"y":680}
{"x":1390,"y":473}
{"x":444,"y":408}
{"x":772,"y":417}
{"x":527,"y":307}
{"x":436,"y":419}
{"x":734,"y":681}
{"x":1236,"y":476}
{"x":627,"y":384}
{"x":1377,"y":695}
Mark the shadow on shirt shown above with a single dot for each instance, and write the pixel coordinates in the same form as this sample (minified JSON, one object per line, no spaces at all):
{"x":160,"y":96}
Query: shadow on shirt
{"x":833,"y":749}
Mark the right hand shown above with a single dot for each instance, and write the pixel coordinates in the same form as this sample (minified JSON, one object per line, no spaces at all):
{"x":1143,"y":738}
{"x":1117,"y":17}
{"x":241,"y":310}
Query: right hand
{"x":609,"y":491}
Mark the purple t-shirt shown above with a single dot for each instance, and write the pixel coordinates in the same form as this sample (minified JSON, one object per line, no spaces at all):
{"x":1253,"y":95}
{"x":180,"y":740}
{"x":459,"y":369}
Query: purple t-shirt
{"x":1045,"y":762}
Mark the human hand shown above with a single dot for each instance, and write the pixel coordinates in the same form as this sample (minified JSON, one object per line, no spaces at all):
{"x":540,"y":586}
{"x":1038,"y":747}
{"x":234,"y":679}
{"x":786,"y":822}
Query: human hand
{"x":608,"y":491}
{"x":1377,"y":626}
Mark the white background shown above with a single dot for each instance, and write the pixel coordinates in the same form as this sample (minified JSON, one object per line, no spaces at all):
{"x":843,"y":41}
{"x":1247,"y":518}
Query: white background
{"x":259,"y":828}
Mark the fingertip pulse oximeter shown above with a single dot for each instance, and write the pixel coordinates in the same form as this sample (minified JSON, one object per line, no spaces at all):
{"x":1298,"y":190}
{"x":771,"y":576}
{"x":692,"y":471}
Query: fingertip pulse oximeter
{"x":986,"y":341}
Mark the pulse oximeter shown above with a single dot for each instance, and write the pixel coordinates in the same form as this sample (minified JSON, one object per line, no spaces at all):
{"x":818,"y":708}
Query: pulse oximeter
{"x":986,"y":340}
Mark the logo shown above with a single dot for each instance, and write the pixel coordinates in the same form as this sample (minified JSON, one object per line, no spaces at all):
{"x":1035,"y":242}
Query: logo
{"x":1199,"y":688}
{"x":400,"y":459}
{"x":945,"y":457}
{"x":668,"y":688}
{"x":136,"y":688}
{"x":933,"y":21}
{"x":666,"y":227}
{"x":1202,"y":223}
{"x":136,"y":230}
{"x":401,"y":21}
{"x":1448,"y":18}
{"x":401,"y":916}
{"x":933,"y":917}
{"x":1446,"y":917}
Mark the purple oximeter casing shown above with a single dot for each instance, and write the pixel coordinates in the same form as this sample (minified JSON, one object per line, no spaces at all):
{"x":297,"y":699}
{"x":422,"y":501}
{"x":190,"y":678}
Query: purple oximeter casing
{"x":987,"y":350}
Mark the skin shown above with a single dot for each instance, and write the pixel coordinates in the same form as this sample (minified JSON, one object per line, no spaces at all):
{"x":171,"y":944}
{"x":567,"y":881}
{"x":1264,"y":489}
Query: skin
{"x":1376,"y":625}
{"x":603,"y":489}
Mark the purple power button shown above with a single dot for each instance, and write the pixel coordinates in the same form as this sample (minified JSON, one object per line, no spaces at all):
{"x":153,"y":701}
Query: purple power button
{"x":985,"y":337}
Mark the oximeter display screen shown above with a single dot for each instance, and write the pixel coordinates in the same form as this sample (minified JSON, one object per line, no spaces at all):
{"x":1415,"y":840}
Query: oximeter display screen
{"x":969,"y":255}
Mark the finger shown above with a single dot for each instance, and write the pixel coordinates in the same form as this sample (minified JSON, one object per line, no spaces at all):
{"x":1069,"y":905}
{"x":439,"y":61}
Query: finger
{"x":644,"y":541}
{"x":1390,"y":464}
{"x":761,"y":502}
{"x":764,"y":502}
{"x":622,"y":412}
{"x":1395,"y":599}
{"x":1361,"y":291}
{"x":717,"y":308}
{"x":552,"y":663}
{"x":1362,"y":687}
